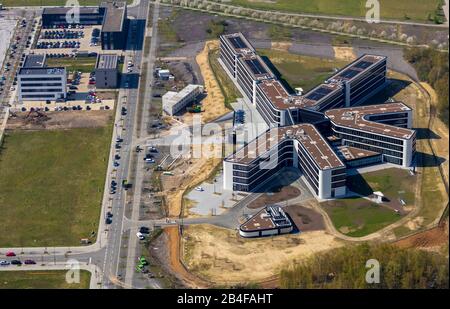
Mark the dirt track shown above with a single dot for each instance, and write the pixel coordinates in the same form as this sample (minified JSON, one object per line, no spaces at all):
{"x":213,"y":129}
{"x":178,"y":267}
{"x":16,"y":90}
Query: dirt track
{"x":60,"y":120}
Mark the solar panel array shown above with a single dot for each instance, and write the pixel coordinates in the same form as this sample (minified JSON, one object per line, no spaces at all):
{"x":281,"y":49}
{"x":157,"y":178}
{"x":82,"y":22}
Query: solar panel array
{"x":256,"y":66}
{"x":318,"y":93}
{"x":237,"y":42}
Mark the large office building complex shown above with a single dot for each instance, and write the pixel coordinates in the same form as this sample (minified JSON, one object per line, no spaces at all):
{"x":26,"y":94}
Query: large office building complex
{"x":383,"y":129}
{"x":40,"y":83}
{"x":112,"y":15}
{"x":321,"y":132}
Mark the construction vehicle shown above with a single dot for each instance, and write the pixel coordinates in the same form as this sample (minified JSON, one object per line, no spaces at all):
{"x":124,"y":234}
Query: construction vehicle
{"x":195,"y":109}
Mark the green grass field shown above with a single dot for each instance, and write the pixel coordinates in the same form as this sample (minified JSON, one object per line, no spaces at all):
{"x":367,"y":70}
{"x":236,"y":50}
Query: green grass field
{"x":399,"y":9}
{"x":51,"y":186}
{"x":50,"y":2}
{"x":394,"y":183}
{"x":41,"y":279}
{"x":359,"y":217}
{"x":301,"y":71}
{"x":84,"y":65}
{"x":229,"y":90}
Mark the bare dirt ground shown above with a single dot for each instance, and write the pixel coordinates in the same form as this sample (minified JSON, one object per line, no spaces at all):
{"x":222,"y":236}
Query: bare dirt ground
{"x":186,"y":175}
{"x":275,"y":196}
{"x":430,"y":239}
{"x":305,"y":218}
{"x":344,"y":53}
{"x":214,"y":103}
{"x":59,"y":120}
{"x":283,"y":46}
{"x":222,"y":257}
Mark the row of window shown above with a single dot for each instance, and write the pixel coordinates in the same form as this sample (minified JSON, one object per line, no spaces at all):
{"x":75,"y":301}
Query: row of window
{"x":371,"y":136}
{"x":41,"y":85}
{"x":40,"y":79}
{"x":41,"y":90}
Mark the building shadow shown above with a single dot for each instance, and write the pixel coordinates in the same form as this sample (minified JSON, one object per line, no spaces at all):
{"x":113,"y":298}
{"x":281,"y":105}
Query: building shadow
{"x":357,"y":184}
{"x":283,"y":178}
{"x":129,"y":80}
{"x":393,"y":87}
{"x":277,"y":73}
{"x":428,"y":160}
{"x":136,"y":34}
{"x":425,"y":133}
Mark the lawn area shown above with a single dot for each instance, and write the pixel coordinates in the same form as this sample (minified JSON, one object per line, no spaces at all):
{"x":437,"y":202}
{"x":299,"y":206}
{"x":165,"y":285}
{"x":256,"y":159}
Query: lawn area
{"x":50,"y":2}
{"x":394,"y":183}
{"x":41,"y":279}
{"x":358,"y":217}
{"x":51,"y":185}
{"x":301,"y":71}
{"x":229,"y":90}
{"x":84,"y":65}
{"x":399,"y":9}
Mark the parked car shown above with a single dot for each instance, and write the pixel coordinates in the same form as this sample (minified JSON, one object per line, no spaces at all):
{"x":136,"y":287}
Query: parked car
{"x":140,"y":236}
{"x":4,"y":263}
{"x":144,"y":230}
{"x":16,"y":262}
{"x":29,"y":262}
{"x":10,"y":253}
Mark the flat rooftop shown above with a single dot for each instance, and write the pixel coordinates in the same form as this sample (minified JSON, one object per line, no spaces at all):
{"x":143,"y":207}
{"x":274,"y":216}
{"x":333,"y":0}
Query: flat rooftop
{"x":239,"y":43}
{"x":177,"y":96}
{"x":351,"y":71}
{"x":34,"y":61}
{"x":347,"y":153}
{"x":256,"y":66}
{"x":42,"y":71}
{"x":355,"y":118}
{"x":115,"y":16}
{"x":268,"y":218}
{"x":281,"y":99}
{"x":107,"y":61}
{"x":64,"y":10}
{"x":306,"y":134}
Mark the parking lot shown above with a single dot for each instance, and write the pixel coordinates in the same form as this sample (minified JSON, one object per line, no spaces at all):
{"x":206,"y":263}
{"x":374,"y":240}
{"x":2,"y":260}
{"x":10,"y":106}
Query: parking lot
{"x":68,"y":41}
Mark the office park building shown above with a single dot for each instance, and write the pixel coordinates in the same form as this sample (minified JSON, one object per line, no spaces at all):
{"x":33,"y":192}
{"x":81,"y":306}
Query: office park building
{"x":322,"y":132}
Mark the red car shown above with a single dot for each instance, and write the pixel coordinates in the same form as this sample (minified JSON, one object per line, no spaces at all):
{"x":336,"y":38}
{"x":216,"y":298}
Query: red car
{"x":10,"y":253}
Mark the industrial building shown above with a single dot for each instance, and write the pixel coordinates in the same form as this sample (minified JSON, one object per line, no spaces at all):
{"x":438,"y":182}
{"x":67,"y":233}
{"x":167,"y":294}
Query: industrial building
{"x":112,"y":15}
{"x":173,"y":102}
{"x":107,"y":71}
{"x":271,"y":220}
{"x":36,"y":82}
{"x":321,"y":132}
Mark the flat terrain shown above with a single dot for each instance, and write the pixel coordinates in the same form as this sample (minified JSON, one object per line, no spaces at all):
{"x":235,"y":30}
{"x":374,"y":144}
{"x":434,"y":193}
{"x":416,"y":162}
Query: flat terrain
{"x":358,"y":216}
{"x":301,"y":71}
{"x":50,"y":2}
{"x":399,"y":9}
{"x":84,"y":65}
{"x":41,"y":279}
{"x":52,"y":185}
{"x":222,"y":257}
{"x":275,"y":196}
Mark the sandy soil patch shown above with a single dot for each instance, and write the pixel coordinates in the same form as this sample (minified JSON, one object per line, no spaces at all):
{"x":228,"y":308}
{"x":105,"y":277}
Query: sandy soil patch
{"x":415,"y":223}
{"x":344,"y":53}
{"x":223,"y":257}
{"x":283,"y":46}
{"x":214,"y":103}
{"x":432,"y":238}
{"x":59,"y":120}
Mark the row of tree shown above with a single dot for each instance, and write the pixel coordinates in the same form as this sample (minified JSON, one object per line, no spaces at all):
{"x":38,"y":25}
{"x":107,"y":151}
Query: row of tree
{"x":432,"y":67}
{"x":357,"y":267}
